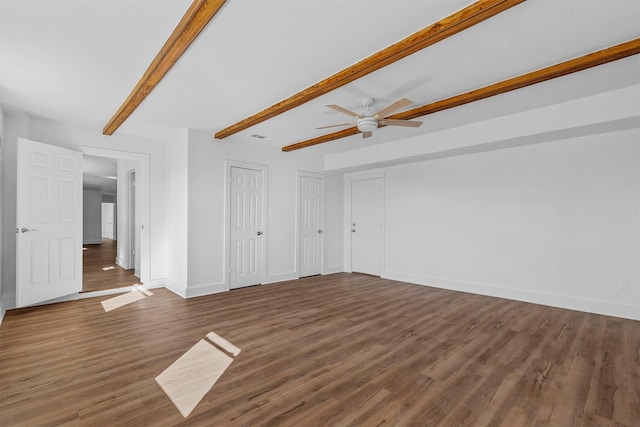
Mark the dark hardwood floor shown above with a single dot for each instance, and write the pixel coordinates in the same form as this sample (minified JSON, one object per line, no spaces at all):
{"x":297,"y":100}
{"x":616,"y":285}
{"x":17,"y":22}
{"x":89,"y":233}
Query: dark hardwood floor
{"x":343,"y":349}
{"x":100,"y":271}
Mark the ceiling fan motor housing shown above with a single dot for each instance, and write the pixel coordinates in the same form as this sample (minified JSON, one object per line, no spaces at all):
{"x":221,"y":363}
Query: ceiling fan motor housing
{"x":367,"y":124}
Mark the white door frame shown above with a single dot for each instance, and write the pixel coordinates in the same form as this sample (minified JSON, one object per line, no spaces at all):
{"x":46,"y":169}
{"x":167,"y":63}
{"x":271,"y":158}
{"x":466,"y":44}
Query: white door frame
{"x":132,"y":254}
{"x":348,"y":179}
{"x":143,"y":205}
{"x":264,"y":169}
{"x":321,"y":176}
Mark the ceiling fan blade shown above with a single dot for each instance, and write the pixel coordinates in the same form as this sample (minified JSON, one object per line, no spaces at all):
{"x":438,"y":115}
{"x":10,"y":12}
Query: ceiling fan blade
{"x":367,"y":134}
{"x":400,"y":103}
{"x":406,"y":123}
{"x":344,"y":110}
{"x":333,"y":126}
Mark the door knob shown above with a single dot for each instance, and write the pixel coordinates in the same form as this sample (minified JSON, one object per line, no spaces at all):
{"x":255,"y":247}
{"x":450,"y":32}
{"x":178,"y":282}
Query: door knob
{"x":259,"y":233}
{"x":353,"y":230}
{"x":25,"y":229}
{"x":320,"y":231}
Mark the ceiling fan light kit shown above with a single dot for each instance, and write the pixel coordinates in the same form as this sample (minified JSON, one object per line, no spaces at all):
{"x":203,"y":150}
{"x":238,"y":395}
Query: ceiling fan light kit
{"x":372,"y":121}
{"x":367,"y":124}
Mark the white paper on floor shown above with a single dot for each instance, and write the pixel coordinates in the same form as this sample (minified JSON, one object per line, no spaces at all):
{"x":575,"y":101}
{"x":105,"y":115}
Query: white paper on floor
{"x":120,"y":300}
{"x":190,"y":377}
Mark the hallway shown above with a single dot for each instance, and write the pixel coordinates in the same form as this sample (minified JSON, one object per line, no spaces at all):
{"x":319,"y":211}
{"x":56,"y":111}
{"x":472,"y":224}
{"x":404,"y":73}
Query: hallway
{"x":100,"y":271}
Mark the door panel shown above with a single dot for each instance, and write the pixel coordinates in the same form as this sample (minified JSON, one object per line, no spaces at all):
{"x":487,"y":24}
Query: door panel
{"x":246,"y":232}
{"x":366,"y":226}
{"x":49,"y":219}
{"x":310,"y":219}
{"x":108,"y":219}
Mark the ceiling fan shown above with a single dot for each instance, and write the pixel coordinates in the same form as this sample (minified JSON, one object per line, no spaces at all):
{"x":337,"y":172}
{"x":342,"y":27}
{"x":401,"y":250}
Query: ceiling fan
{"x":369,"y":122}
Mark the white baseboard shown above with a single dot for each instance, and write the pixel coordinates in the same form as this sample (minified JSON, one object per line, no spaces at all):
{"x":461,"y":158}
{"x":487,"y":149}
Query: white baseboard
{"x":120,"y":263}
{"x":207,"y":289}
{"x":560,"y":301}
{"x":92,"y":242}
{"x":154,"y":283}
{"x":332,"y":269}
{"x":176,"y":288}
{"x":3,"y":309}
{"x":283,"y":277}
{"x":186,"y":291}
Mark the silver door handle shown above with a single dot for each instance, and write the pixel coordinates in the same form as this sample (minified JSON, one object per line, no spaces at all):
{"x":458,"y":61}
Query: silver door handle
{"x":25,"y":229}
{"x":353,"y":230}
{"x":320,"y":231}
{"x":259,"y":233}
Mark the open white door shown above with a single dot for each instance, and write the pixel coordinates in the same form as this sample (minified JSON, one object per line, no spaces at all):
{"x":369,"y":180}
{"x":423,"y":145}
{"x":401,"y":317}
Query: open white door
{"x":49,"y":221}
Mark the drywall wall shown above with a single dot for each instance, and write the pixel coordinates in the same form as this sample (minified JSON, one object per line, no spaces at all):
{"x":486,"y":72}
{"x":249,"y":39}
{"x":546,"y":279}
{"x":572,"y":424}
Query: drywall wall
{"x":177,"y":214}
{"x":555,"y":223}
{"x":91,"y":217}
{"x":600,"y":113}
{"x":206,"y":188}
{"x":333,"y":248}
{"x":150,"y":152}
{"x":2,"y":305}
{"x":15,"y":126}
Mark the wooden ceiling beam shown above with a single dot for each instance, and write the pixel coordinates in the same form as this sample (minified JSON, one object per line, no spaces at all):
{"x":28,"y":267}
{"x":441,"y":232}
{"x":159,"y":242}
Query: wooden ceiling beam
{"x":453,"y":24}
{"x":192,"y":23}
{"x":600,"y":57}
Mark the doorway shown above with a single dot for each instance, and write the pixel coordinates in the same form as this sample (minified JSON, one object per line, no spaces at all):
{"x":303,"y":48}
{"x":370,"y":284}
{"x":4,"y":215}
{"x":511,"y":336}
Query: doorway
{"x":108,"y":246}
{"x":246,"y":213}
{"x":50,"y":218}
{"x":366,"y":225}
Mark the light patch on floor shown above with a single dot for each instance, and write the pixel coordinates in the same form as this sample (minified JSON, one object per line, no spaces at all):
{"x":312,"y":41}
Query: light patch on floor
{"x":111,"y":267}
{"x":223,"y":344}
{"x":120,"y":300}
{"x":190,"y":377}
{"x":144,"y":291}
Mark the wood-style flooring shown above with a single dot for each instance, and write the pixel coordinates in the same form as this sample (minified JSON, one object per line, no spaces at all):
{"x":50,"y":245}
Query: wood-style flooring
{"x":343,"y":349}
{"x":100,"y":271}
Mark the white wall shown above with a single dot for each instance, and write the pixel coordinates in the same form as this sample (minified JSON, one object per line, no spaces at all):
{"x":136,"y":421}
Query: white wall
{"x":201,"y":179}
{"x":177,"y":214}
{"x":601,"y":113}
{"x":92,"y":142}
{"x":541,"y":205}
{"x":555,"y":223}
{"x":14,"y":127}
{"x":186,"y":230}
{"x":91,"y":217}
{"x":2,"y":305}
{"x":333,"y":247}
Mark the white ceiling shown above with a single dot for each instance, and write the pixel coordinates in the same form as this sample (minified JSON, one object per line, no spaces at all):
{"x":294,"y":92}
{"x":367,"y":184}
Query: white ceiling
{"x":96,"y":172}
{"x":75,"y":61}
